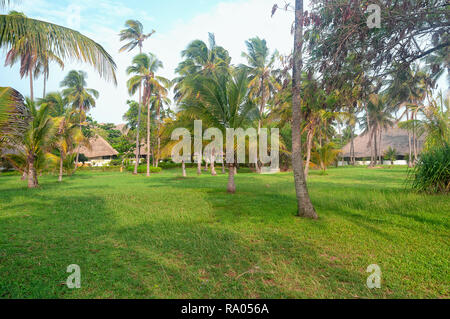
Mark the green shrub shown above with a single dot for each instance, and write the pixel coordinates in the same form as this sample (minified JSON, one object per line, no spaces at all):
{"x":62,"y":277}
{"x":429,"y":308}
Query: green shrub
{"x":115,"y":162}
{"x":168,"y":165}
{"x":143,"y":169}
{"x":432,"y":172}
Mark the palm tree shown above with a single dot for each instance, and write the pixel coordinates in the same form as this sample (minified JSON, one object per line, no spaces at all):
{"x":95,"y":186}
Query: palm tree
{"x":56,"y":102}
{"x":158,"y":100}
{"x":379,"y":117}
{"x":68,"y":134}
{"x":325,"y":155}
{"x":305,"y":207}
{"x":14,"y":116}
{"x":144,"y":67}
{"x":134,"y":33}
{"x":34,"y":146}
{"x":222,"y":101}
{"x":81,"y":98}
{"x":200,"y":59}
{"x":407,"y":88}
{"x":260,"y":66}
{"x":43,"y":39}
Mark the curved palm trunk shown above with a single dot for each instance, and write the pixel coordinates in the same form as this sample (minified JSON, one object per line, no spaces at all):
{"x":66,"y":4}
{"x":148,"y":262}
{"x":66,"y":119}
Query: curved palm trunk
{"x":148,"y":139}
{"x":231,"y":187}
{"x":304,"y":205}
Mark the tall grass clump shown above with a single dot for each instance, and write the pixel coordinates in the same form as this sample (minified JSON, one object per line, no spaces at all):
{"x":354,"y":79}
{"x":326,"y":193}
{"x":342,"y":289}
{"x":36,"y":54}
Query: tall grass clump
{"x":432,"y":172}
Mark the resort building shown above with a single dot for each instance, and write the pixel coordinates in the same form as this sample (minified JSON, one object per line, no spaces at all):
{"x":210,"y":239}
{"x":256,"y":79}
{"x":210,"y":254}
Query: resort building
{"x":100,"y":153}
{"x":395,"y":138}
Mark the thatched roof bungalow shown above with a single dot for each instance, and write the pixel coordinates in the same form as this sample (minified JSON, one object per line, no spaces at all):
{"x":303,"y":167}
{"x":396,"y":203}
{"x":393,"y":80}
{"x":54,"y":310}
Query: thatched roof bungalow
{"x":100,"y":152}
{"x":394,"y":137}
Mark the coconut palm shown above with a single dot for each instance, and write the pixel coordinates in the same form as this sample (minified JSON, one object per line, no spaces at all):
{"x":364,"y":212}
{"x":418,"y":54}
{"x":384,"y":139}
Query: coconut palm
{"x":31,"y":152}
{"x":158,"y":101}
{"x":134,"y":33}
{"x":260,"y":67}
{"x":222,"y":101}
{"x":68,"y":135}
{"x":200,"y":59}
{"x":57,"y":103}
{"x":144,"y":69}
{"x":378,"y":119}
{"x":14,"y":116}
{"x":325,"y":155}
{"x":41,"y":39}
{"x":81,"y":99}
{"x":304,"y":205}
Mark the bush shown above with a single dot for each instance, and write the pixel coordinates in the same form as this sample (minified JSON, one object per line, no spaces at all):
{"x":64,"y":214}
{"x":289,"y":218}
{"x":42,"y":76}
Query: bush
{"x":115,"y":162}
{"x":143,"y":169}
{"x":432,"y":172}
{"x":168,"y":165}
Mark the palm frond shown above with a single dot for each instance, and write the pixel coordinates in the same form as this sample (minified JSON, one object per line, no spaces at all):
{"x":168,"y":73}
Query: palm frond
{"x":63,"y":42}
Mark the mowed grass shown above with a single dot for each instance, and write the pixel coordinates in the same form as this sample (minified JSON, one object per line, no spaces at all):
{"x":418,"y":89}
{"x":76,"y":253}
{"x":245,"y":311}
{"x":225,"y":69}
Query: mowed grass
{"x":173,"y":237}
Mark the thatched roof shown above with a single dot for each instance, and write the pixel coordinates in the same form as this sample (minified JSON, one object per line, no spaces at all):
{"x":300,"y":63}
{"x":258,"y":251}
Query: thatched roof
{"x":395,"y":137}
{"x":99,"y":147}
{"x":122,"y":128}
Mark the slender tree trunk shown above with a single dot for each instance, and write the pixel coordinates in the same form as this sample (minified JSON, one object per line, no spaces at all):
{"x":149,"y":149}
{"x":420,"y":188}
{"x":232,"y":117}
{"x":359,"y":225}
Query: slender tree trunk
{"x":409,"y":142}
{"x":375,"y":145}
{"x":45,"y":86}
{"x":138,"y":144}
{"x":206,"y":165}
{"x":261,"y":110}
{"x":158,"y":130}
{"x":31,"y":85}
{"x":79,"y":146}
{"x":223,"y":165}
{"x":61,"y":161}
{"x":183,"y":167}
{"x":231,"y":187}
{"x":32,"y":176}
{"x":213,"y":159}
{"x":413,"y":115}
{"x":309,"y":140}
{"x":380,"y":154}
{"x":148,"y":139}
{"x":369,"y":132}
{"x":352,"y":146}
{"x":304,"y":205}
{"x":199,"y":165}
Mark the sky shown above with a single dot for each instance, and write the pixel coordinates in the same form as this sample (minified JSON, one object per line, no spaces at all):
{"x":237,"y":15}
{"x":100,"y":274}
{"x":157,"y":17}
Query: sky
{"x":177,"y":23}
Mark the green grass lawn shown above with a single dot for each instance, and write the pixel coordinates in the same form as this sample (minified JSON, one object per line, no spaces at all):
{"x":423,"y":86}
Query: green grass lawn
{"x":169,"y":237}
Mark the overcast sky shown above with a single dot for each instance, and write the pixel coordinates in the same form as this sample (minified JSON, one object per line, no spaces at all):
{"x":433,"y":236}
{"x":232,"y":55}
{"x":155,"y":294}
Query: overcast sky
{"x":177,"y":22}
